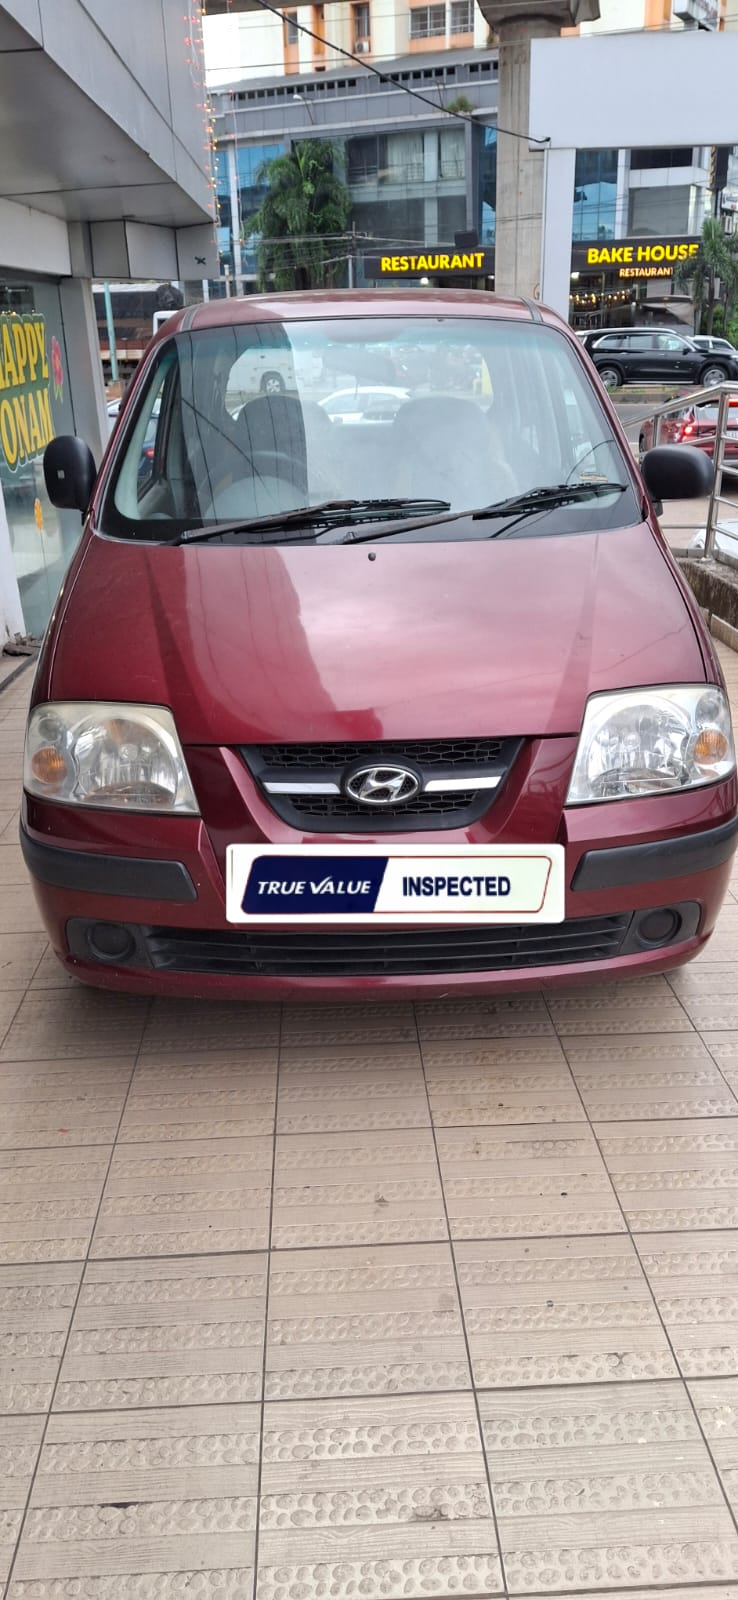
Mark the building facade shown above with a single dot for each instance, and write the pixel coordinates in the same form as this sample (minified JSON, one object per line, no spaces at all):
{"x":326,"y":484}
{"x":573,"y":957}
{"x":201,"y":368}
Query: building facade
{"x":416,"y":175}
{"x":265,"y":46}
{"x":126,"y":193}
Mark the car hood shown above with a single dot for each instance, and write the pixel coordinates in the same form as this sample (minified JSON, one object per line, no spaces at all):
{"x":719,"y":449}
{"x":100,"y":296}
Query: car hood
{"x":411,"y":640}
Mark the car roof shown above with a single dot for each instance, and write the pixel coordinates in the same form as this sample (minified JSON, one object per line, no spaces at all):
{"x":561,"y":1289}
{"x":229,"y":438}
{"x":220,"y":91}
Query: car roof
{"x":320,"y":304}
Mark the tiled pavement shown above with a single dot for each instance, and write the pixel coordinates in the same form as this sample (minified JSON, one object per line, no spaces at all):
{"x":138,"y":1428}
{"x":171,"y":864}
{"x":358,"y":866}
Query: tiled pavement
{"x":365,"y":1303}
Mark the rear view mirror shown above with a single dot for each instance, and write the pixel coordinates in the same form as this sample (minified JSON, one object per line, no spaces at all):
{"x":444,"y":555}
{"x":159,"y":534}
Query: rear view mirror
{"x":677,"y":472}
{"x":70,"y":473}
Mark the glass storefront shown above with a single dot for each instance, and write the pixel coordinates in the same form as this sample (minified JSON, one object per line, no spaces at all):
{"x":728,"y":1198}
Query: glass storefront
{"x":35,"y":405}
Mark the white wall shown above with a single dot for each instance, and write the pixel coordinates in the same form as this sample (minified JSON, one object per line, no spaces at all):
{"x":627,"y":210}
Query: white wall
{"x":679,"y":89}
{"x":248,"y":45}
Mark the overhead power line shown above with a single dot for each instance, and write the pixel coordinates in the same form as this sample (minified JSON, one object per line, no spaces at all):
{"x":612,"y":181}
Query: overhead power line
{"x":387,"y":77}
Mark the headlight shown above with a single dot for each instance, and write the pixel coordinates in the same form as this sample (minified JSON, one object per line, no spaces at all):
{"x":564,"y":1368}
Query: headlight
{"x":651,"y":741}
{"x":121,"y":757}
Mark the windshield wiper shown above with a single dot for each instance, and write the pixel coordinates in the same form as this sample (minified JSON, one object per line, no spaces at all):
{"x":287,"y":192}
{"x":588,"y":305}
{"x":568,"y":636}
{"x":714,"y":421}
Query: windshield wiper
{"x":524,"y":505}
{"x":327,"y":514}
{"x":547,"y":498}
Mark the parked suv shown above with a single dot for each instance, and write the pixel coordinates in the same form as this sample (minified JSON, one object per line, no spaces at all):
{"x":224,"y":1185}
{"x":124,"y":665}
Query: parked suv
{"x":656,"y":355}
{"x":418,"y":708}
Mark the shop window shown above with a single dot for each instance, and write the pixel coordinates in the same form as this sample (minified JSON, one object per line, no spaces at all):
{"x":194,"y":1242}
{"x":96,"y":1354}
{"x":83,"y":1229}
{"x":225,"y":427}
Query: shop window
{"x":35,"y":405}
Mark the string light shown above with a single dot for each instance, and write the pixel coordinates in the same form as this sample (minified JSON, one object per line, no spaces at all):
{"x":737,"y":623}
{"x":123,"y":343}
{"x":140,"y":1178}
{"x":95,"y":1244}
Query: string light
{"x":194,"y":43}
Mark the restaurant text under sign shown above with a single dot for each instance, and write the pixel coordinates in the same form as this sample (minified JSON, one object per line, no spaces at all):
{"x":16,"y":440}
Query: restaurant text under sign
{"x":25,"y":401}
{"x":420,"y":264}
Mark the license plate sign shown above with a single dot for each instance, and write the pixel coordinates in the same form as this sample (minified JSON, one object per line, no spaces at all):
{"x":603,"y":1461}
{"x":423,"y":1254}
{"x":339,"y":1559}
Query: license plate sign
{"x":401,"y":884}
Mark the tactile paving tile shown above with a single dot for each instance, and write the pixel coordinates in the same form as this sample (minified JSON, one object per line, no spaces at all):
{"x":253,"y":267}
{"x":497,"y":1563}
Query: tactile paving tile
{"x":384,"y":1320}
{"x":36,"y":1305}
{"x":559,"y":1311}
{"x":151,"y":1503}
{"x":674,"y":1175}
{"x":20,"y":1439}
{"x":479,"y":1083}
{"x":599,"y":1488}
{"x":694,"y":1280}
{"x":48,"y":1202}
{"x":383,"y":1499}
{"x":184,"y":1197}
{"x":201,"y":1095}
{"x":484,"y":1017}
{"x":717,"y":1409}
{"x":356,"y":1188}
{"x":162,"y":1333}
{"x":629,"y":1078}
{"x":526,"y":1181}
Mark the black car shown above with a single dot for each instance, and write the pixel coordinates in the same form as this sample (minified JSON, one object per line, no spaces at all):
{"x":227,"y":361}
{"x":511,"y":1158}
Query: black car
{"x":655,"y":355}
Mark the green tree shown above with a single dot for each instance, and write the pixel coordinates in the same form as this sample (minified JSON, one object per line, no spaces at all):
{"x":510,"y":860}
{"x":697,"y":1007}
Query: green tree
{"x":712,"y":274}
{"x":301,"y":218}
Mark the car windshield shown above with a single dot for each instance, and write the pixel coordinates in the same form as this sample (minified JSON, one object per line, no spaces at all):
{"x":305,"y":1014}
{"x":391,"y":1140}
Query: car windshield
{"x":257,"y":420}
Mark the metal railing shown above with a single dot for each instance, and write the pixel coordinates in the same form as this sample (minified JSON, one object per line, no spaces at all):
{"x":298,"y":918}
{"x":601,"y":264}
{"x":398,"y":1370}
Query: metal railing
{"x":721,"y":394}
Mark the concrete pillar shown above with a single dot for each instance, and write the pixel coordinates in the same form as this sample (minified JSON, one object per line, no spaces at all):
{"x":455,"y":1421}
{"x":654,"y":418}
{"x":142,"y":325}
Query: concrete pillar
{"x":519,"y":168}
{"x":85,"y":367}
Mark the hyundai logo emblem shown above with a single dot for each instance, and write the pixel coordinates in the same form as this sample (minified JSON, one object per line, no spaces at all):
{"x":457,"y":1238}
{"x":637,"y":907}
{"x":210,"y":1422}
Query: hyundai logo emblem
{"x":382,"y":786}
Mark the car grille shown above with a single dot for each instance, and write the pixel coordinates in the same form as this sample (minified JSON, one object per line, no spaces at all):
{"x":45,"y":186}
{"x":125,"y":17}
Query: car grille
{"x":305,"y":783}
{"x":384,"y":952}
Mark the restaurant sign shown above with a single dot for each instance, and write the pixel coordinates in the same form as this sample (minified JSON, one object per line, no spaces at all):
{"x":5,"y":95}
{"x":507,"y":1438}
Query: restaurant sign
{"x":429,"y":261}
{"x":633,"y":258}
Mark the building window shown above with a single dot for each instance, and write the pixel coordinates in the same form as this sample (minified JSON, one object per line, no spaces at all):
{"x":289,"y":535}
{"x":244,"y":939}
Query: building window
{"x":428,"y":22}
{"x":361,"y":26}
{"x":462,"y":16}
{"x":291,"y":30}
{"x":595,"y":194}
{"x":653,"y":160}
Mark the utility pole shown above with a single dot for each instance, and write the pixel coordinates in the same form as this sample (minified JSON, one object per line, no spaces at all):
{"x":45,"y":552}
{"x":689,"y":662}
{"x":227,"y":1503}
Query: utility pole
{"x":352,"y":259}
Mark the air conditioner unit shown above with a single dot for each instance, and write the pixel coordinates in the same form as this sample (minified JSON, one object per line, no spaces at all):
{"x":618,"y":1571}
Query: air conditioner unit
{"x":362,"y":47}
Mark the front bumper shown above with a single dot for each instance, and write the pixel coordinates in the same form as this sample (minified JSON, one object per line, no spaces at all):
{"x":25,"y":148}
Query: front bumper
{"x":170,"y":904}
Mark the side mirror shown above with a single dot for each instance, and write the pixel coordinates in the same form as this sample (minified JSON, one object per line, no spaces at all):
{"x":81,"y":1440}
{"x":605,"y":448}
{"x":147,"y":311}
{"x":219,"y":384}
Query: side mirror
{"x":677,"y":472}
{"x":70,"y":473}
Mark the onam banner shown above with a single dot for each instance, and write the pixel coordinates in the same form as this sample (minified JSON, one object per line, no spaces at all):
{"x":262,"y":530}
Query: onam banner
{"x":25,"y":380}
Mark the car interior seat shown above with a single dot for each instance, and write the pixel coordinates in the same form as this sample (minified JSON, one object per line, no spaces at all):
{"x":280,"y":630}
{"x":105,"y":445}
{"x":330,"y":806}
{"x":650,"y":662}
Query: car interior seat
{"x":443,"y":447}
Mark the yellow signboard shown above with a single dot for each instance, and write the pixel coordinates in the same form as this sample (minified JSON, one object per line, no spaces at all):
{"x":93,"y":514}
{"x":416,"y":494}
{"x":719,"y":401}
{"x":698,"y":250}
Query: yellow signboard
{"x":417,"y":263}
{"x":642,"y":255}
{"x":25,"y":401}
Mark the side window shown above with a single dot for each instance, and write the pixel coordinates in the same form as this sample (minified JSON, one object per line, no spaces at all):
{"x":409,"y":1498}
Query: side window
{"x":640,"y":343}
{"x":669,"y":341}
{"x":144,"y":486}
{"x":612,"y":341}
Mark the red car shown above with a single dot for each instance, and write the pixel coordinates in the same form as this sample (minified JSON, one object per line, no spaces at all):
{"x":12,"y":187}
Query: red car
{"x":417,"y":709}
{"x":696,"y":425}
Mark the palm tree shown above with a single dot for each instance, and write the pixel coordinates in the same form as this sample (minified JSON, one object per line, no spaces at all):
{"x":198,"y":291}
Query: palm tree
{"x":301,"y":218}
{"x":711,"y":274}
